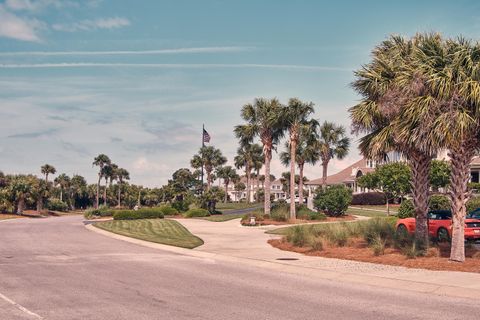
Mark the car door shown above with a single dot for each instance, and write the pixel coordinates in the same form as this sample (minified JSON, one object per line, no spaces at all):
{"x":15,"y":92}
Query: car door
{"x":432,"y":224}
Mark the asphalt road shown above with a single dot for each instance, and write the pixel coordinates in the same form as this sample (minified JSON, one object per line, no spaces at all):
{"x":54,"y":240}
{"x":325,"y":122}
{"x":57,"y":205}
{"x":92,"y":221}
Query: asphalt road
{"x":56,"y":269}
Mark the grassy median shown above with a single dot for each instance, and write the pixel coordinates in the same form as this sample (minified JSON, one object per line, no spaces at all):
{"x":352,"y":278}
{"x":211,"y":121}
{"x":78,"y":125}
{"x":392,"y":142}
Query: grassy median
{"x":162,"y":231}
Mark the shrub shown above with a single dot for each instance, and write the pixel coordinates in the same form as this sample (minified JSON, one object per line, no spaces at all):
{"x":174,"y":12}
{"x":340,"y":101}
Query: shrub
{"x":368,"y":198}
{"x":473,"y":204}
{"x":306,"y":214}
{"x":338,"y":235}
{"x":379,"y":227}
{"x":280,"y":213}
{"x":259,"y":217}
{"x":439,"y":202}
{"x":406,"y":209}
{"x":102,"y":211}
{"x":144,"y":213}
{"x":57,"y":205}
{"x":168,"y":210}
{"x":316,"y":243}
{"x":192,"y":213}
{"x":334,"y":200}
{"x":378,"y":246}
{"x":181,"y":206}
{"x":297,"y":236}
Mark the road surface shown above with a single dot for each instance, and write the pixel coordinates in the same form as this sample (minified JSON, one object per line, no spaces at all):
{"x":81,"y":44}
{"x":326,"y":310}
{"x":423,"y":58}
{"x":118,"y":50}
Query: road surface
{"x":56,"y":269}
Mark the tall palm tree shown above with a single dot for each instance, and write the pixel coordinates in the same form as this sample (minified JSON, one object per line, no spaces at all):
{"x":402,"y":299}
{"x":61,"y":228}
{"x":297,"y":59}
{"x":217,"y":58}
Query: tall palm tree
{"x":262,"y":120}
{"x":391,"y":90}
{"x":101,"y":161}
{"x":208,"y":158}
{"x":332,"y":144}
{"x":47,"y":170}
{"x":63,"y":182}
{"x":307,"y":153}
{"x":295,"y":115}
{"x":121,"y":175}
{"x":248,"y":156}
{"x":228,"y":174}
{"x":108,"y":173}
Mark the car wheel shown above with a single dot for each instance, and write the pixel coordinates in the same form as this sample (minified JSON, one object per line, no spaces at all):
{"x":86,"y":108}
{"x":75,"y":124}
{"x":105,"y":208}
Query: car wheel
{"x":442,"y":235}
{"x":402,"y":231}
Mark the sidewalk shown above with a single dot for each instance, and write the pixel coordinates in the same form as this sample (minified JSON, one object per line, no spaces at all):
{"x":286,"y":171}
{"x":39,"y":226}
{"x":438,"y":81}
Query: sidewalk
{"x":230,"y":239}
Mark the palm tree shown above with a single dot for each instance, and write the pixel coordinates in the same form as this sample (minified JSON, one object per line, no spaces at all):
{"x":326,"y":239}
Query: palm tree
{"x":101,"y":161}
{"x":121,"y":175}
{"x":248,"y":156}
{"x":391,"y":89}
{"x":47,"y":170}
{"x":228,"y":174}
{"x":307,"y":153}
{"x":208,"y":158}
{"x":295,"y":115}
{"x":63,"y":182}
{"x":332,"y":144}
{"x":262,"y":120}
{"x":108,"y":173}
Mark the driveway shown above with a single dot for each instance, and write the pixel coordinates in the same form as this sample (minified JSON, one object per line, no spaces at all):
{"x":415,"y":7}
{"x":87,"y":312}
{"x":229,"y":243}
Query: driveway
{"x":57,"y":269}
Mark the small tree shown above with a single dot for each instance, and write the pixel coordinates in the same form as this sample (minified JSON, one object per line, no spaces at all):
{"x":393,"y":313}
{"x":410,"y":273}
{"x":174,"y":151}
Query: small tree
{"x":439,"y":174}
{"x":333,"y":200}
{"x":208,"y":200}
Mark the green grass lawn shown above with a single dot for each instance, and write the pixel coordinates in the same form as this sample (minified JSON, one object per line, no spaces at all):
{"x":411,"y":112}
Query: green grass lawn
{"x":223,"y":217}
{"x":236,"y":206}
{"x":368,"y":213}
{"x":162,"y":231}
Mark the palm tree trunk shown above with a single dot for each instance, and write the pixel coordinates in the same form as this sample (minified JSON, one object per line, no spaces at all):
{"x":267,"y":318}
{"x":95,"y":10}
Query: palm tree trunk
{"x":293,"y":149}
{"x":226,"y":191}
{"x":61,"y":194}
{"x":105,"y":193}
{"x":119,"y":194}
{"x":21,"y":204}
{"x":324,"y":174}
{"x":209,"y":176}
{"x":39,"y":204}
{"x":248,"y":174}
{"x":98,"y":193}
{"x":268,"y":158}
{"x":459,"y":195}
{"x":258,"y":186}
{"x":300,"y":183}
{"x":420,"y":166}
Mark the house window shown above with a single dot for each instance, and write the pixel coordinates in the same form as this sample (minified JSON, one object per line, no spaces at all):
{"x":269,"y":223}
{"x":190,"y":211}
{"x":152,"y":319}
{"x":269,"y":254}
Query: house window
{"x":474,"y":177}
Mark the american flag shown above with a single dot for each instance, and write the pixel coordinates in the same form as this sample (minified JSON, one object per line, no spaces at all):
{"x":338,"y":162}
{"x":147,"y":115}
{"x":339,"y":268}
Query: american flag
{"x":206,"y":136}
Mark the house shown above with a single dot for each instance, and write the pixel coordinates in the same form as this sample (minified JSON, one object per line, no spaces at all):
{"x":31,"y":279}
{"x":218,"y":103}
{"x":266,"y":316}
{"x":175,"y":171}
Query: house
{"x":276,"y":189}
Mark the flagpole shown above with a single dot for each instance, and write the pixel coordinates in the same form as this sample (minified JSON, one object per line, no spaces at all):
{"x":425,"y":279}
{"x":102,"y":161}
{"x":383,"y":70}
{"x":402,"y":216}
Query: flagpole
{"x":203,"y":145}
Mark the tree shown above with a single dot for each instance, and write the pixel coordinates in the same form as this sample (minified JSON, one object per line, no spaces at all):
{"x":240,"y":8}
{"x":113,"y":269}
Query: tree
{"x":121,"y":175}
{"x":239,"y":187}
{"x":47,"y":170}
{"x":294,"y":116}
{"x":391,"y":104}
{"x":79,"y":193}
{"x":20,"y":188}
{"x":101,"y":161}
{"x":107,"y":172}
{"x":307,"y":153}
{"x":227,"y":174}
{"x":208,"y":200}
{"x":209,"y":158}
{"x":248,"y":156}
{"x":63,"y":182}
{"x":332,"y":144}
{"x":262,"y":120}
{"x":439,"y":174}
{"x":393,"y":179}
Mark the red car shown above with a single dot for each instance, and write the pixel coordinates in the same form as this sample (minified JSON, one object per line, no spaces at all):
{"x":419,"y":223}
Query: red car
{"x":440,"y":226}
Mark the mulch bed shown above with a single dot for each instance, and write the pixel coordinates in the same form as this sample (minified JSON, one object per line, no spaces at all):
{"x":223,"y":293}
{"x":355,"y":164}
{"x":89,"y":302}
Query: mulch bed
{"x":358,"y":250}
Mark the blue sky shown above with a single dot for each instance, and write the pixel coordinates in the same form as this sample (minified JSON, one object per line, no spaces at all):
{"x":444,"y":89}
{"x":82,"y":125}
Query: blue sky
{"x":136,"y":79}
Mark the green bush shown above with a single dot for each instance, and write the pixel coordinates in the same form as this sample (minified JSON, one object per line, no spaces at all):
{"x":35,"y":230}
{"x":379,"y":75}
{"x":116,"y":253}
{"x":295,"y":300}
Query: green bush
{"x":280,"y":212}
{"x":57,"y":205}
{"x":473,"y":204}
{"x":378,"y":227}
{"x":378,"y":246}
{"x":298,"y":236}
{"x":192,"y":213}
{"x":144,"y":213}
{"x":439,"y":202}
{"x":406,"y":209}
{"x":334,"y":200}
{"x":100,"y":212}
{"x":181,"y":206}
{"x":168,"y":210}
{"x":368,"y":198}
{"x":306,"y":214}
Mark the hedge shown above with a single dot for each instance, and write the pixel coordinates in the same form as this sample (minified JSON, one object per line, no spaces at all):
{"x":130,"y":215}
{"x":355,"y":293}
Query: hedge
{"x":368,"y":198}
{"x":196,"y":213}
{"x":168,"y":210}
{"x":146,"y":213}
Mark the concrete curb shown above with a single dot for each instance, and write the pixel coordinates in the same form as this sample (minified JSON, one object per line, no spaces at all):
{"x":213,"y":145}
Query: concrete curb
{"x":319,"y":273}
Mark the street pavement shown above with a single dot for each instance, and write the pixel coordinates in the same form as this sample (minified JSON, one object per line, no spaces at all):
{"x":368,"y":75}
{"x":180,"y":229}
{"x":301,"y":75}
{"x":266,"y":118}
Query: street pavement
{"x":57,"y":269}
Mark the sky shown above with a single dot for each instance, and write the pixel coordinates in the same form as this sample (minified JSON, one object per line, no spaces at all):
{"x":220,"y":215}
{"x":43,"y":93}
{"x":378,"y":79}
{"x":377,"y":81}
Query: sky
{"x":136,"y":79}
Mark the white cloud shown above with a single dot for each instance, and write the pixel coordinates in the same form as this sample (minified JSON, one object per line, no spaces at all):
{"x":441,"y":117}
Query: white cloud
{"x":129,"y":52}
{"x":14,"y":27}
{"x":142,"y":164}
{"x":288,"y":67}
{"x":86,"y":25}
{"x":30,"y":5}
